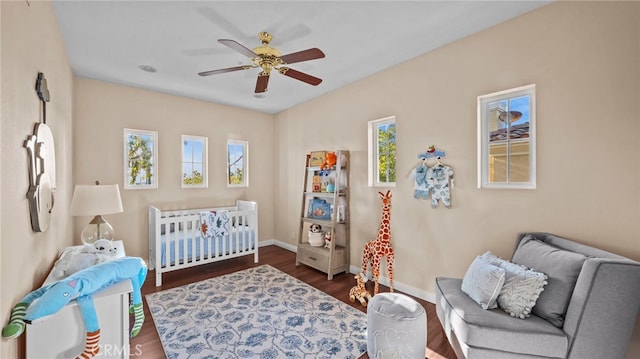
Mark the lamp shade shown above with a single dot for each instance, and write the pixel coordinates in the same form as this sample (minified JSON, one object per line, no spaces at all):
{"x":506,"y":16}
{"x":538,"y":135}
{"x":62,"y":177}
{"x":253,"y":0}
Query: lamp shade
{"x":93,"y":200}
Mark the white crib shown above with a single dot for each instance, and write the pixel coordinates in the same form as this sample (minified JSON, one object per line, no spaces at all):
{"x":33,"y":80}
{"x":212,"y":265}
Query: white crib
{"x":175,"y":239}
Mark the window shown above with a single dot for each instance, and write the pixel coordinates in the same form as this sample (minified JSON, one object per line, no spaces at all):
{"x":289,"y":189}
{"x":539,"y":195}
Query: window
{"x":140,"y":159}
{"x":382,"y":152}
{"x":194,"y":161}
{"x":237,"y":163}
{"x":506,"y":139}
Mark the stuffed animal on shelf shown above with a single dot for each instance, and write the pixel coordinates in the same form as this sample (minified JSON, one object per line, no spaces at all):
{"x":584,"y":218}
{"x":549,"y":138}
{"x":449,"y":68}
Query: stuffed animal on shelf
{"x":81,"y":286}
{"x":359,"y":292}
{"x":83,"y":257}
{"x":327,"y":239}
{"x":330,"y":160}
{"x":315,"y":228}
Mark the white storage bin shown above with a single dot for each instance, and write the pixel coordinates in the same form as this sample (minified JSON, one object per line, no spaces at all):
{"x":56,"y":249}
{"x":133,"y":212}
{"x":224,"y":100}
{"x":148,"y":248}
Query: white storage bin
{"x":316,"y":239}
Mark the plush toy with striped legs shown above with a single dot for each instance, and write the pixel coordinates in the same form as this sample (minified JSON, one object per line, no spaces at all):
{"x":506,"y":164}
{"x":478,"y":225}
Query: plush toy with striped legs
{"x":80,"y":286}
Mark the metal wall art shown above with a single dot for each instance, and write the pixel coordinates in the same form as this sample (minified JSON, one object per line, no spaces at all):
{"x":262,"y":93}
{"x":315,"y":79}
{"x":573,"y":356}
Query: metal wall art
{"x":42,"y":165}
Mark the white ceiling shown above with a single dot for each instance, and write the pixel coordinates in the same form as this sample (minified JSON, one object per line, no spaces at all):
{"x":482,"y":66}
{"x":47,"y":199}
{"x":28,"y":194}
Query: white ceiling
{"x":109,"y":40}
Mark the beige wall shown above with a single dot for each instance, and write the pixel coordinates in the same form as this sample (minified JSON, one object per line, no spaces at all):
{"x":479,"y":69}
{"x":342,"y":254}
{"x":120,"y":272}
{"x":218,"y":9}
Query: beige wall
{"x":583,"y":58}
{"x":102,"y":111}
{"x":30,"y":43}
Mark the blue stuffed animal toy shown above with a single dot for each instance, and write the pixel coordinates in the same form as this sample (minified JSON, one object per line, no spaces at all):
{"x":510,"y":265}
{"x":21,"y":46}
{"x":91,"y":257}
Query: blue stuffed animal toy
{"x":80,"y":286}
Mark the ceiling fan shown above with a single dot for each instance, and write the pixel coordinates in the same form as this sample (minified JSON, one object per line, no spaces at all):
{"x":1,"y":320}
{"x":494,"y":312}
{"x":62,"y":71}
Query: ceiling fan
{"x":269,"y":58}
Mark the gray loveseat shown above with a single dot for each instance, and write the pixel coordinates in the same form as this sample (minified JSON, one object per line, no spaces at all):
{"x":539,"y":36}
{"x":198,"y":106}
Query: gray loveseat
{"x":600,"y":314}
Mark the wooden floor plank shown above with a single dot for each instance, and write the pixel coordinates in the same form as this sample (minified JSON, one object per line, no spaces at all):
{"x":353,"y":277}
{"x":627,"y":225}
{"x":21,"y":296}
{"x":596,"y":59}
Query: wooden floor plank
{"x":147,"y":344}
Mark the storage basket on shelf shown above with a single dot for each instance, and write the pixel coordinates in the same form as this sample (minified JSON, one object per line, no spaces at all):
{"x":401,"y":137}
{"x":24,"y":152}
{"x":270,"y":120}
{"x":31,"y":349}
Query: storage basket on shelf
{"x":316,"y":239}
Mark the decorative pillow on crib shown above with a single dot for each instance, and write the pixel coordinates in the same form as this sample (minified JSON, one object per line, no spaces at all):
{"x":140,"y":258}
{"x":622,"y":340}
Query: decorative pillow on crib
{"x":214,"y":224}
{"x":521,"y":289}
{"x":483,"y":282}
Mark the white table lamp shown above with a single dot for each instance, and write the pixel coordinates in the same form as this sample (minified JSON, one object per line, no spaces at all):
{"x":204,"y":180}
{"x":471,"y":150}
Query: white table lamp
{"x":98,"y":200}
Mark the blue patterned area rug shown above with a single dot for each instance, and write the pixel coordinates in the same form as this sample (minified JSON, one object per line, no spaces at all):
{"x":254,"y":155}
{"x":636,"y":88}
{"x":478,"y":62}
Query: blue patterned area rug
{"x":259,"y":312}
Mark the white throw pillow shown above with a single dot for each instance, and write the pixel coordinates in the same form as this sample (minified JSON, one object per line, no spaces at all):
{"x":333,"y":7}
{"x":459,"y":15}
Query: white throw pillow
{"x":483,"y":282}
{"x":521,"y":289}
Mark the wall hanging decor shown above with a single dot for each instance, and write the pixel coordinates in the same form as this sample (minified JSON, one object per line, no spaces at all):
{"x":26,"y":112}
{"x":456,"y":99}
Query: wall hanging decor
{"x":432,"y":181}
{"x":42,"y":165}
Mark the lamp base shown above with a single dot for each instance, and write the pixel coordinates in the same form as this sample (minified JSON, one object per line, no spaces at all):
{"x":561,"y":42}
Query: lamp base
{"x":98,"y":228}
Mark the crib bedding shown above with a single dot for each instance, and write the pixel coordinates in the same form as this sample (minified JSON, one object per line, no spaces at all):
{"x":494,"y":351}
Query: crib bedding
{"x":232,"y":242}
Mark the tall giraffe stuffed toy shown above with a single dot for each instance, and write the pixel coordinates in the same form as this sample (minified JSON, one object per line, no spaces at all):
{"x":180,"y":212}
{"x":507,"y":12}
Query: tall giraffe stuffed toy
{"x":381,"y":246}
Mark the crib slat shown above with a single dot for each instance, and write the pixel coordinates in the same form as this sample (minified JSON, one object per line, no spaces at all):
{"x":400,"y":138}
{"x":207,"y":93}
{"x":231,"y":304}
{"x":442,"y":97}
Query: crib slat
{"x":237,"y":235}
{"x":197,"y":242}
{"x":224,"y":246}
{"x":196,"y":233}
{"x":163,"y":259}
{"x":179,"y":244}
{"x":171,"y":248}
{"x":186,"y":242}
{"x":233,"y":233}
{"x":212,"y":248}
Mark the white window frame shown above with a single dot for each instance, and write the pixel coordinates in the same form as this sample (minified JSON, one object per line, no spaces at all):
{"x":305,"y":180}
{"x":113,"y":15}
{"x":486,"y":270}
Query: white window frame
{"x":483,"y":137}
{"x":373,"y":140}
{"x":245,"y":164}
{"x":151,"y":136}
{"x":205,"y":166}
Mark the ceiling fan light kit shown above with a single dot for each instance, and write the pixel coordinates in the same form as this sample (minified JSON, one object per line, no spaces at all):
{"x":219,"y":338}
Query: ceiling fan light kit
{"x":268,"y":58}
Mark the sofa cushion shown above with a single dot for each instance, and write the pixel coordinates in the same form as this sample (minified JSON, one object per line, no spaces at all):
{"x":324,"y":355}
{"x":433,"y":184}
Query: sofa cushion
{"x":495,"y":329}
{"x":521,"y":289}
{"x":562,"y":268}
{"x":483,"y":282}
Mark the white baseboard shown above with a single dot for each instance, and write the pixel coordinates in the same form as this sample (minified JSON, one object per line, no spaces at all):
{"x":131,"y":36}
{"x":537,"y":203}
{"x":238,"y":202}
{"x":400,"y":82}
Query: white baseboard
{"x":275,"y":242}
{"x":405,"y":288}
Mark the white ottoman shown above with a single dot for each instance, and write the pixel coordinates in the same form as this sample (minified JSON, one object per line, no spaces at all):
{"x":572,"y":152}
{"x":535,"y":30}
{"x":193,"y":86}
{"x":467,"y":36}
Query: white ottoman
{"x":396,"y":327}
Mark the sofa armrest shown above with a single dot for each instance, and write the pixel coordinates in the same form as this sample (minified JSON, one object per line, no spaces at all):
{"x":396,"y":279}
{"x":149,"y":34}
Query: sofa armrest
{"x":603,"y":308}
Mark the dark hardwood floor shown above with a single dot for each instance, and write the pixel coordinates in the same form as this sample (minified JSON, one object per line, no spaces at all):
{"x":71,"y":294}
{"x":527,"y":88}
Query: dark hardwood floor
{"x":147,"y":343}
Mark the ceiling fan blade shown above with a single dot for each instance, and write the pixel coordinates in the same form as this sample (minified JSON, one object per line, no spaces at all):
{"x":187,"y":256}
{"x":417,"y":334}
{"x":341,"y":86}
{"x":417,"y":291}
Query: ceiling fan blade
{"x":263,"y":81}
{"x":304,"y":55}
{"x":228,"y":69}
{"x":232,"y":44}
{"x":311,"y":80}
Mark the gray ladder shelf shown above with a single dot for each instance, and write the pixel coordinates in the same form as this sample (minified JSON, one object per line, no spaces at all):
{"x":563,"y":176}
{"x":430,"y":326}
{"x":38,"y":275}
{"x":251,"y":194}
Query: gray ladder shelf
{"x":334,"y":258}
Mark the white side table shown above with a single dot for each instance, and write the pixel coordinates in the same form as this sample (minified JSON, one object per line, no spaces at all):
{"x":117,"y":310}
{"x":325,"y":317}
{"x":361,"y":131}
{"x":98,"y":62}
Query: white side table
{"x":62,"y":335}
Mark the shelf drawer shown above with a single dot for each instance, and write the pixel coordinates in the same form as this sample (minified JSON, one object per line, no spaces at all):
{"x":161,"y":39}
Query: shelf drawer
{"x":317,"y":258}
